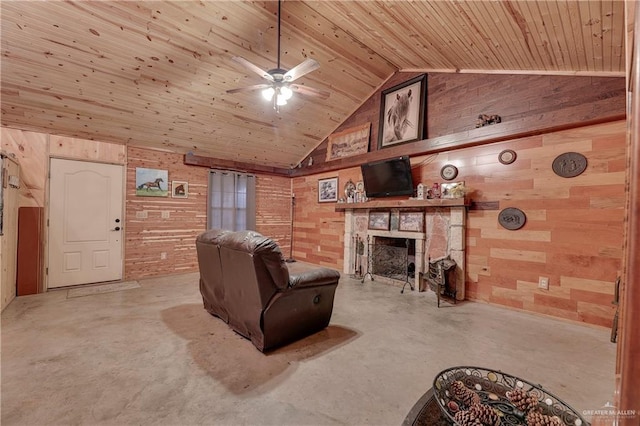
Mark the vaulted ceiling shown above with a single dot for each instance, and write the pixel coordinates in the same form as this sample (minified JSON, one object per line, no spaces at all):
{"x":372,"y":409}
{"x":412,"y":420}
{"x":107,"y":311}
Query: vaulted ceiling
{"x":155,"y":74}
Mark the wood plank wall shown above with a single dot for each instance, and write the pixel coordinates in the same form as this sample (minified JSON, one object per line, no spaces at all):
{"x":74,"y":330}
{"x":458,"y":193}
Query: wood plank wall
{"x":31,"y":151}
{"x":146,"y":239}
{"x":573,"y":234}
{"x":454,"y":102}
{"x":273,"y":209}
{"x":157,"y":245}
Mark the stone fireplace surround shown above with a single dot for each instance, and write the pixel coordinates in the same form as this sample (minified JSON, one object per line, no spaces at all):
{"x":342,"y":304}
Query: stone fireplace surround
{"x":444,"y":225}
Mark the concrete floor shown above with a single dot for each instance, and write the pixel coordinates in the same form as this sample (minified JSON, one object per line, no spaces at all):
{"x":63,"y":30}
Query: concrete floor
{"x":152,"y":355}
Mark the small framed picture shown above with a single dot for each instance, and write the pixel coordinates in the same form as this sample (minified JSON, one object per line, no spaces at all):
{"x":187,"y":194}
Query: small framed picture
{"x":328,"y":190}
{"x":452,"y":190}
{"x":179,"y":189}
{"x":411,"y":221}
{"x":379,"y":221}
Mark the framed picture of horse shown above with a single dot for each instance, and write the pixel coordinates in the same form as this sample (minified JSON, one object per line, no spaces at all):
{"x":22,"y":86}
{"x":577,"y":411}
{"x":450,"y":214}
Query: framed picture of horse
{"x":179,"y":189}
{"x":152,"y":182}
{"x":402,"y":112}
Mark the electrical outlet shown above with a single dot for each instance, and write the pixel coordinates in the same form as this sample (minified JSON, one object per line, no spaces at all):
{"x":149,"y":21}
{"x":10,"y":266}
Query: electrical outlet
{"x":163,"y":256}
{"x":543,"y":283}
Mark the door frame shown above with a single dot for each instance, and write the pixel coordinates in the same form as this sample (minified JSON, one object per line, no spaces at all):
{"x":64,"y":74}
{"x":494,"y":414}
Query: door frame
{"x":123,"y":196}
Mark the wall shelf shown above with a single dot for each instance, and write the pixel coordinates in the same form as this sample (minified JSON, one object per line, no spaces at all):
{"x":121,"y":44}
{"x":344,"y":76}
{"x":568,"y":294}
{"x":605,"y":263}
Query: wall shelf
{"x":403,"y":204}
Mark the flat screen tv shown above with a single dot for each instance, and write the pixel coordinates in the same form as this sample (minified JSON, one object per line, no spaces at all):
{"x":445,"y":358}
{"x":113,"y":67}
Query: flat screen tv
{"x":387,"y":178}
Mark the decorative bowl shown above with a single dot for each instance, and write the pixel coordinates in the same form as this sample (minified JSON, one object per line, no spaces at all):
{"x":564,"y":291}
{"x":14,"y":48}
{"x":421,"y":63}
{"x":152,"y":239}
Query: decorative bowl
{"x":491,"y":387}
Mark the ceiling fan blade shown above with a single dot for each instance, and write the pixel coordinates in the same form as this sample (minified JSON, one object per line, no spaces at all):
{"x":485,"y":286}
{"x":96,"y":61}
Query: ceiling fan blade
{"x":262,"y":73}
{"x":309,"y":91}
{"x":249,"y":88}
{"x":301,"y":69}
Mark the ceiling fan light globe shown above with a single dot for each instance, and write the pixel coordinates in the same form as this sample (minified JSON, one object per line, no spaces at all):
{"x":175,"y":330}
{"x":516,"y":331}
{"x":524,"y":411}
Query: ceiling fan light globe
{"x":286,"y":92}
{"x":280,"y":100}
{"x":268,"y":93}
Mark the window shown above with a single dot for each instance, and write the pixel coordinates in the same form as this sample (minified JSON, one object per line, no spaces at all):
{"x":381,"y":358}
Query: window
{"x":232,"y":201}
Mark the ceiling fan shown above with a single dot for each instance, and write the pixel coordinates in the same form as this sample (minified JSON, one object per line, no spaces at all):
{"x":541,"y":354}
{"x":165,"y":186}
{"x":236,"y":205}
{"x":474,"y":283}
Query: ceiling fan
{"x":280,"y":86}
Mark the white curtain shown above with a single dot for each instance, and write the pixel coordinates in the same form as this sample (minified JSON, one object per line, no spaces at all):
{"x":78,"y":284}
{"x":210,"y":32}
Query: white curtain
{"x":232,"y":201}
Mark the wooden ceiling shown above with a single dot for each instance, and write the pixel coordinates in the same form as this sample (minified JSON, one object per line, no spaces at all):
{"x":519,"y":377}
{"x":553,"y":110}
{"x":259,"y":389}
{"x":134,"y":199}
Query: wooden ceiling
{"x":155,"y":74}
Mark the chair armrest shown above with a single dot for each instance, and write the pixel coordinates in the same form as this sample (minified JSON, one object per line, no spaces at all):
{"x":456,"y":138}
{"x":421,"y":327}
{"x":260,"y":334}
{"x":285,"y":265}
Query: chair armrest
{"x":314,"y":277}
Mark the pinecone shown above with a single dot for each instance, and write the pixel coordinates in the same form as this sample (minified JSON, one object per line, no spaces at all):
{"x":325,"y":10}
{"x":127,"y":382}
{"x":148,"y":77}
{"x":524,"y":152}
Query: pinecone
{"x":464,"y":394}
{"x":535,"y":418}
{"x":522,"y":400}
{"x":485,"y":414}
{"x":466,"y":418}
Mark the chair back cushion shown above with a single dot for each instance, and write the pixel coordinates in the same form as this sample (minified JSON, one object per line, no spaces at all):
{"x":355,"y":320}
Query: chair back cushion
{"x":211,"y":287}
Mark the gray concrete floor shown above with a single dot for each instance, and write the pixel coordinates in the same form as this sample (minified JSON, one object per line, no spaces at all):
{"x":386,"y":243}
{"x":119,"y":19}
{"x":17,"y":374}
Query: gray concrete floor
{"x":152,"y":355}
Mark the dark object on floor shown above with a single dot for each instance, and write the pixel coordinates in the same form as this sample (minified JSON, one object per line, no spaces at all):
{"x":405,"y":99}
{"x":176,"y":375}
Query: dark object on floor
{"x":245,"y":281}
{"x":441,"y":278}
{"x":485,"y":120}
{"x":426,"y":412}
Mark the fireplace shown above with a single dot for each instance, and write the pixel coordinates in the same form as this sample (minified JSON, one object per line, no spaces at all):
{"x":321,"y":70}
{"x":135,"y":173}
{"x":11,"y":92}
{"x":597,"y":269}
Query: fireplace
{"x":443,"y":236}
{"x":393,"y":258}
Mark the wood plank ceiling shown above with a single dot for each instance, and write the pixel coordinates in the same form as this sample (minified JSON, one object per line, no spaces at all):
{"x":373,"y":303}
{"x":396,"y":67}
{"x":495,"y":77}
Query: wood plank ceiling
{"x":155,"y":74}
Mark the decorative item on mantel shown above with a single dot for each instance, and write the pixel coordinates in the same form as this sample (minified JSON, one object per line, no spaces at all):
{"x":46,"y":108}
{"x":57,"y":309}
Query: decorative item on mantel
{"x":435,"y":190}
{"x":420,"y":192}
{"x":361,"y":197}
{"x":453,"y":190}
{"x":485,"y":120}
{"x":350,"y":191}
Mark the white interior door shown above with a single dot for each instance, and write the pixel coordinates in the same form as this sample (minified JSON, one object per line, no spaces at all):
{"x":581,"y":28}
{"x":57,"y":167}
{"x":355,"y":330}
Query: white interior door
{"x":85,"y":223}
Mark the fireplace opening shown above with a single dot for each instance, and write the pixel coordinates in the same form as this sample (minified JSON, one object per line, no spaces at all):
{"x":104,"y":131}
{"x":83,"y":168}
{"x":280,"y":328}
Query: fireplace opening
{"x":393,"y":258}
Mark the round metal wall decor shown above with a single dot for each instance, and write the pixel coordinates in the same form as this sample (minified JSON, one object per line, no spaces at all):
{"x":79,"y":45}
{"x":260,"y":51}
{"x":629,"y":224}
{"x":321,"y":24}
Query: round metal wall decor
{"x":507,"y":156}
{"x":569,"y":164}
{"x":449,"y":172}
{"x":512,"y":218}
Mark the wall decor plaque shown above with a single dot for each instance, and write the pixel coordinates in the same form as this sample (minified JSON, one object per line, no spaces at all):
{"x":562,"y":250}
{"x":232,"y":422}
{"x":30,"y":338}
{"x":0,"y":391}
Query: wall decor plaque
{"x":448,"y":172}
{"x":512,"y":218}
{"x":507,"y":156}
{"x":569,"y":164}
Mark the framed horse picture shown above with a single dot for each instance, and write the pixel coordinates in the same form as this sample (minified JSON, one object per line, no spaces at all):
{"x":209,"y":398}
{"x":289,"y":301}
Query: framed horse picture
{"x":152,"y":182}
{"x":179,"y":189}
{"x":402,"y":112}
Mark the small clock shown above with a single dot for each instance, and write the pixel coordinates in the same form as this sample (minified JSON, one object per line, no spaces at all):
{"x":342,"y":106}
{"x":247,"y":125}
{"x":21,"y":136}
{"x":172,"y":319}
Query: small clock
{"x":449,"y":172}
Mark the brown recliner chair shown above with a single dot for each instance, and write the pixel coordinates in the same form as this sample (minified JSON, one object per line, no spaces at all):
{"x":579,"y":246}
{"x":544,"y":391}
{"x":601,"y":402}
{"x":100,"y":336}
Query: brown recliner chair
{"x":245,"y":281}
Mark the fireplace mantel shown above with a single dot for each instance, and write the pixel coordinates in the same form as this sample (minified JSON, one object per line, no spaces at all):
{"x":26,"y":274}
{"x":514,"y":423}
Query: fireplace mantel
{"x":403,"y":204}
